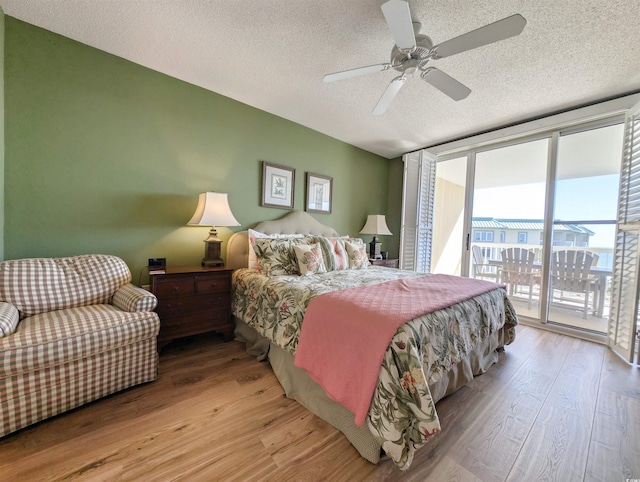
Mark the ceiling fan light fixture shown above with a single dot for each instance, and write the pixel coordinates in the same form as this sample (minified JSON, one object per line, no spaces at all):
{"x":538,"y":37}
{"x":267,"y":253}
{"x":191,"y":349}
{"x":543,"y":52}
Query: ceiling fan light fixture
{"x":421,"y":51}
{"x":410,"y":66}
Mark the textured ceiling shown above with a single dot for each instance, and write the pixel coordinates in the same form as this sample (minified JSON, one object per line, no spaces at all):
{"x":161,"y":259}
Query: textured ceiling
{"x":272,"y":54}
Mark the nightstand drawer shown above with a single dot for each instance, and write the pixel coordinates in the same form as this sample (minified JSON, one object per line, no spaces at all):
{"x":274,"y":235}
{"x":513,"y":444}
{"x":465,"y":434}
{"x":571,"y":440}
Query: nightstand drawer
{"x":173,"y":287}
{"x":186,"y":305}
{"x":212,"y":284}
{"x":195,"y":323}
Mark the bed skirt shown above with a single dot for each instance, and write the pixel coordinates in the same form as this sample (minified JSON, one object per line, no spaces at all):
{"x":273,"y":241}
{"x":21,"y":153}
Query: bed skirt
{"x":300,"y":387}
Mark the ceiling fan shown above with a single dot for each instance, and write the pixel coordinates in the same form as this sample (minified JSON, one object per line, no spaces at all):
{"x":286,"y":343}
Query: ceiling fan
{"x":413,"y":51}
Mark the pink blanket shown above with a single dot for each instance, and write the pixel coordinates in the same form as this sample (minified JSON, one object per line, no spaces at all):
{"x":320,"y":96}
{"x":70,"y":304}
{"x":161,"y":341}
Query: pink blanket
{"x":345,"y":333}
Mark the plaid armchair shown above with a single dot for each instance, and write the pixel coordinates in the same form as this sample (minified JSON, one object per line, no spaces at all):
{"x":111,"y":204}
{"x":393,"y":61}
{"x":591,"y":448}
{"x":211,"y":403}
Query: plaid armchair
{"x":72,"y":330}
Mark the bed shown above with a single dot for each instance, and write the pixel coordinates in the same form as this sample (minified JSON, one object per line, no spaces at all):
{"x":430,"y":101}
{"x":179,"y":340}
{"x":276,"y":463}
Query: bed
{"x":430,"y":355}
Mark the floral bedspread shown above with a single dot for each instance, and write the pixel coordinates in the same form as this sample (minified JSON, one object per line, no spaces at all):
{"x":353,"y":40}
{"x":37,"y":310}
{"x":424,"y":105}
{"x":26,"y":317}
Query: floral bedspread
{"x":402,"y":415}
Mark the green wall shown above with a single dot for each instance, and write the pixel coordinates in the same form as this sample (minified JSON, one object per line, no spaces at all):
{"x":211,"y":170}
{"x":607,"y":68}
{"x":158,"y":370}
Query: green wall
{"x":106,"y":156}
{"x":1,"y":134}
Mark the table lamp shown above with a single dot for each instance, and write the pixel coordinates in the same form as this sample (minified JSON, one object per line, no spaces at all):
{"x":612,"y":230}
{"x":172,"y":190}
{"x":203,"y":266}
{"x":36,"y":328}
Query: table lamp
{"x":376,"y":225}
{"x":213,"y":210}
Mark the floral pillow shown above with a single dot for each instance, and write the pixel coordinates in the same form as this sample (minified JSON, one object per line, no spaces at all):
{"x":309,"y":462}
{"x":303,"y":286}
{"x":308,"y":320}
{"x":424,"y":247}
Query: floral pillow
{"x":253,"y":235}
{"x":357,"y":253}
{"x":276,"y":256}
{"x":310,"y":259}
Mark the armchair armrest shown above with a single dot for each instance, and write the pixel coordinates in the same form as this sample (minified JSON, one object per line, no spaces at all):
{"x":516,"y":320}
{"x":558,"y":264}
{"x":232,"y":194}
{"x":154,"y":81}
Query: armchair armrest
{"x":131,"y":298}
{"x":9,"y":318}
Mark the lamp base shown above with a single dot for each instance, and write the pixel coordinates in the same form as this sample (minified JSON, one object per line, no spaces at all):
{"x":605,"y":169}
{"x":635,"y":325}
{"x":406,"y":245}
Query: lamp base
{"x":210,"y":263}
{"x":212,"y":250}
{"x":374,"y":248}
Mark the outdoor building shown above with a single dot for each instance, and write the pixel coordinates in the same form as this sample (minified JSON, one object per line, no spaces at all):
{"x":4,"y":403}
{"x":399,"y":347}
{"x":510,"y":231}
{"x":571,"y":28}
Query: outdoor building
{"x":486,"y":231}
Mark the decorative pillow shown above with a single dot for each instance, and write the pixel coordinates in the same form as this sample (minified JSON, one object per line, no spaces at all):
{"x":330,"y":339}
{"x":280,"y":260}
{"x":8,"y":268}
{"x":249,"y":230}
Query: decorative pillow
{"x":253,"y":235}
{"x":310,"y":259}
{"x":9,"y":318}
{"x":357,"y":253}
{"x":333,"y":252}
{"x":276,"y":256}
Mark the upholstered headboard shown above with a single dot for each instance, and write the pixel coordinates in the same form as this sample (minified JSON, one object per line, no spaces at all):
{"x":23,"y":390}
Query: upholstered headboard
{"x":296,"y":222}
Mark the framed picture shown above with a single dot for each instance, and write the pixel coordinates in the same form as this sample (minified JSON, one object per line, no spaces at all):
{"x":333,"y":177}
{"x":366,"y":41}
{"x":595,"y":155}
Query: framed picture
{"x":319,"y":189}
{"x":277,"y":185}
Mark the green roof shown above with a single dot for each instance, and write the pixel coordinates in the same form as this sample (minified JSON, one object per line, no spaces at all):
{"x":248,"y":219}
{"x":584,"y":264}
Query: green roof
{"x":525,"y":225}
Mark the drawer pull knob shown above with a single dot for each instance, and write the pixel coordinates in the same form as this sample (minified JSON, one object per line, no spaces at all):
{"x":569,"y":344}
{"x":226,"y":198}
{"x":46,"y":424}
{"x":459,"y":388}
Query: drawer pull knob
{"x":213,"y":285}
{"x":176,"y":289}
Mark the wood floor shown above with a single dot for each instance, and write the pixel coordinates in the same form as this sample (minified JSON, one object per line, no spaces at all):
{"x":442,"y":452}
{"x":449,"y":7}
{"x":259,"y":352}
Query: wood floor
{"x":555,"y":408}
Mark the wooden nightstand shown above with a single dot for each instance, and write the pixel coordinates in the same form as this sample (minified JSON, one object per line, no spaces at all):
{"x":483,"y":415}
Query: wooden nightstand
{"x":387,"y":263}
{"x":193,"y":300}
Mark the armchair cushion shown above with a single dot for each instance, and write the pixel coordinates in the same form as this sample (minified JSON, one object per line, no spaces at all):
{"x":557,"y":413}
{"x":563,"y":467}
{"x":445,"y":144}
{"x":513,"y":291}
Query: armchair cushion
{"x":39,"y":285}
{"x":131,"y":298}
{"x":9,"y":318}
{"x":57,"y":337}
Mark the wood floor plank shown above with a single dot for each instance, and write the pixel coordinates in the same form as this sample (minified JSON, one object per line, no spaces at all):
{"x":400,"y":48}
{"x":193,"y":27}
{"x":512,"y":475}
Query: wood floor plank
{"x":489,"y":447}
{"x":554,"y":449}
{"x":615,"y":443}
{"x":295,"y":435}
{"x":553,"y":408}
{"x":451,"y":471}
{"x":619,"y":376}
{"x":330,"y":461}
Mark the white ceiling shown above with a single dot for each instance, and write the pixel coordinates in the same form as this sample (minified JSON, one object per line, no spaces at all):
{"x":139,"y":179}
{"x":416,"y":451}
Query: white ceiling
{"x":272,"y":54}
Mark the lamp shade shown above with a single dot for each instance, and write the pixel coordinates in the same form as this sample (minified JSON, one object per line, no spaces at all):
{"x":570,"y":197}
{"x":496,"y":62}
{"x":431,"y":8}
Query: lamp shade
{"x":213,"y":210}
{"x":376,"y":224}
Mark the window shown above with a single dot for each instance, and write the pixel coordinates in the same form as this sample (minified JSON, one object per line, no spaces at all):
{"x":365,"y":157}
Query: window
{"x":503,"y":236}
{"x":483,"y":236}
{"x":522,"y":238}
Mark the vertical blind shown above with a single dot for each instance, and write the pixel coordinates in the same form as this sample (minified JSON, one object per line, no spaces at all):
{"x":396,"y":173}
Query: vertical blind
{"x":623,"y":323}
{"x":417,"y":210}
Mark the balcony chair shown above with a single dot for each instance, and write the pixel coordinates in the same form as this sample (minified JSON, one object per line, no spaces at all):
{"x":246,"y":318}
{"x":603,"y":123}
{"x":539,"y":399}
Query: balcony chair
{"x":481,"y":269}
{"x":570,"y":271}
{"x":518,"y":270}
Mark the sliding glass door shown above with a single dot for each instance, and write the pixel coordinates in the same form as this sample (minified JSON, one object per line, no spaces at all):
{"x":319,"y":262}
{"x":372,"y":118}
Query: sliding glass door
{"x":584,"y":223}
{"x":507,"y":223}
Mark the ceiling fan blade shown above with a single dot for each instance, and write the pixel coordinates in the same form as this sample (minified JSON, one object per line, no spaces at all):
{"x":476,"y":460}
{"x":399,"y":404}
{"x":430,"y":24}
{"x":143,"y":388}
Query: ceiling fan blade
{"x":398,"y":17}
{"x":494,"y":32}
{"x":445,"y":83}
{"x":347,"y":74}
{"x":389,"y":94}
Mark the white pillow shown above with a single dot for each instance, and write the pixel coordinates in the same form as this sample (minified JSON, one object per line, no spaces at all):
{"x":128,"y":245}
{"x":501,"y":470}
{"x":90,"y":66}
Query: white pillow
{"x":253,"y":235}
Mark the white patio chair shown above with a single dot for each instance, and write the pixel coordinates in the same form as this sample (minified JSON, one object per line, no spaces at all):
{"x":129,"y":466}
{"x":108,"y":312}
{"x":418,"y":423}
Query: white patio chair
{"x":570,"y":272}
{"x":518,"y":270}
